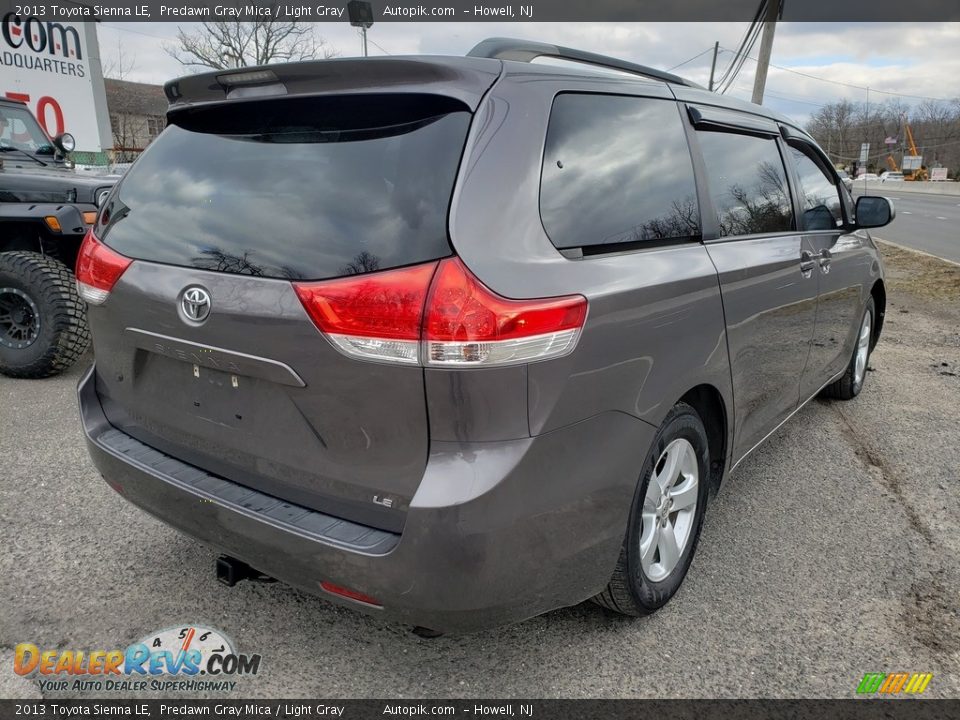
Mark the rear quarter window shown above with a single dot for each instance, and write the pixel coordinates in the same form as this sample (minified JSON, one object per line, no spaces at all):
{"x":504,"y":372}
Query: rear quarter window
{"x":616,"y":170}
{"x":301,"y":189}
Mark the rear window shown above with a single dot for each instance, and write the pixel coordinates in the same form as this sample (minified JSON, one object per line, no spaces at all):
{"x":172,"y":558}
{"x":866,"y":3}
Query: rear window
{"x":301,"y":189}
{"x":616,"y":170}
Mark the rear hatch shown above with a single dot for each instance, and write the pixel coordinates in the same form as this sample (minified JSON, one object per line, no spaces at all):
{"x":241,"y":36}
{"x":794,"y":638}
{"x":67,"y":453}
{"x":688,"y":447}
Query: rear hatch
{"x":234,"y":203}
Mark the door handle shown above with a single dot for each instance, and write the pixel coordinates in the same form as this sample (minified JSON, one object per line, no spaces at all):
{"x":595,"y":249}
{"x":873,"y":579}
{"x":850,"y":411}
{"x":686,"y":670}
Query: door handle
{"x":807,"y":263}
{"x":825,"y":256}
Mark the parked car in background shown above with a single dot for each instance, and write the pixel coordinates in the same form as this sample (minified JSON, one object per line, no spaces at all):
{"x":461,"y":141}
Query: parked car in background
{"x":890,"y":176}
{"x":406,"y":349}
{"x":868,"y":176}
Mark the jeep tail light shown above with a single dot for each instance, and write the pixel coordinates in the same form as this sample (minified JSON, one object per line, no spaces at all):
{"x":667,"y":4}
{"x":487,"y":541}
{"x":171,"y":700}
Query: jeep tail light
{"x":440,"y":314}
{"x":98,"y":269}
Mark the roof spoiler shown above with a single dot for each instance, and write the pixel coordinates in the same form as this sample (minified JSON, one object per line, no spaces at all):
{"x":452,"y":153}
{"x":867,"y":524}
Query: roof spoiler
{"x":527,"y":51}
{"x":465,"y":79}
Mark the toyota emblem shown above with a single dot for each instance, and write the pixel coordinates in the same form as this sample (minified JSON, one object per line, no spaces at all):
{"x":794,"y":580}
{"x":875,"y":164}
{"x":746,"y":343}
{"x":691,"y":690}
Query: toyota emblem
{"x":195,"y":304}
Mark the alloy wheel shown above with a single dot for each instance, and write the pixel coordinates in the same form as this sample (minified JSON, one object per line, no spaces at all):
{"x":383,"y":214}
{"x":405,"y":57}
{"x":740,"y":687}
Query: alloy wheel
{"x":863,"y":350}
{"x":669,"y":509}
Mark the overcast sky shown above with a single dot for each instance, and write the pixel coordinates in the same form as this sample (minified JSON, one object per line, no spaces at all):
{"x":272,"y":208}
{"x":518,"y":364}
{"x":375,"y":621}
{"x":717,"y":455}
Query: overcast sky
{"x":912,"y":60}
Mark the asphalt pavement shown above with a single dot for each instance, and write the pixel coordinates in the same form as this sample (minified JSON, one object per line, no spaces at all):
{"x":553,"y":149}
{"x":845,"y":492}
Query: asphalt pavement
{"x":930,"y":223}
{"x":830,"y":553}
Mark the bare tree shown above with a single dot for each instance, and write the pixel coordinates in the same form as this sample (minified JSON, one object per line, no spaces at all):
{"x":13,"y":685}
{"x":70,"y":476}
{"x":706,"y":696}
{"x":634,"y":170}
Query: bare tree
{"x":223,"y":45}
{"x":122,"y":126}
{"x":121,"y":64}
{"x":840,"y":127}
{"x":364,"y":262}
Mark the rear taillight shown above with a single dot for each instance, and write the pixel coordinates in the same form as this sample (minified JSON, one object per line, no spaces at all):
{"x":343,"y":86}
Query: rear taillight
{"x":98,"y":269}
{"x":440,"y":314}
{"x":465,"y":323}
{"x":375,"y":316}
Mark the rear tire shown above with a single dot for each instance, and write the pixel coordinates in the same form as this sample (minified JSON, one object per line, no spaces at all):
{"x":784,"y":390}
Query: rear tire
{"x":651,"y":567}
{"x":43,"y":324}
{"x":851,"y":383}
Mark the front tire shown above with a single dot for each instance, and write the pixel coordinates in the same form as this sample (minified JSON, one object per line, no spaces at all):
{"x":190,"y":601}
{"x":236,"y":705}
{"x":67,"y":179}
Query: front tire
{"x":43,"y":324}
{"x":851,"y":383}
{"x":665,"y":519}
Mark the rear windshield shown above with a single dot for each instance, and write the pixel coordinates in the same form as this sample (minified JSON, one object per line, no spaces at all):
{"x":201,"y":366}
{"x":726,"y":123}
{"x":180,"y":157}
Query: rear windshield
{"x":302,"y":189}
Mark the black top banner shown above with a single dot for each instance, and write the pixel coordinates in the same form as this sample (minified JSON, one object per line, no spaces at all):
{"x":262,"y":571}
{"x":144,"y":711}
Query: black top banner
{"x":514,"y":709}
{"x":860,"y":11}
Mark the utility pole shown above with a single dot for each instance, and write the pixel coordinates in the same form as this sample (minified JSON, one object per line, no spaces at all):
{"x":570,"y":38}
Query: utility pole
{"x":771,"y":11}
{"x":360,"y":13}
{"x":713,"y":65}
{"x":868,"y":132}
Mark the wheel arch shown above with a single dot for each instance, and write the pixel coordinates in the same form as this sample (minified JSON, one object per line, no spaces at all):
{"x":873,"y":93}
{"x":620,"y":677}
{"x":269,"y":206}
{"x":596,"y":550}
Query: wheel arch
{"x":708,"y":401}
{"x":33,"y":236}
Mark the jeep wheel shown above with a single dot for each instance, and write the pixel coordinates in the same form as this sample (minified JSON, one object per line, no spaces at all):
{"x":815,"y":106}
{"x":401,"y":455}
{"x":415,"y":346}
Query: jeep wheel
{"x":43,"y":324}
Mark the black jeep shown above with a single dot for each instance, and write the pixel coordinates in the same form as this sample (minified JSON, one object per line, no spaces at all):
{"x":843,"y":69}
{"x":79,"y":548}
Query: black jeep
{"x":45,"y":210}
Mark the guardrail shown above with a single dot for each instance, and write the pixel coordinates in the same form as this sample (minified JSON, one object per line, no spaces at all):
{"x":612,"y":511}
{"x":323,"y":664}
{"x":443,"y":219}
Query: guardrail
{"x":905,"y":186}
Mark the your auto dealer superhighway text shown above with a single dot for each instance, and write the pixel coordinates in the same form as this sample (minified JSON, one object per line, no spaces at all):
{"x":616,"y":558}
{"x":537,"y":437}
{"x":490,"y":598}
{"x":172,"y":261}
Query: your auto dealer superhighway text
{"x":235,"y":710}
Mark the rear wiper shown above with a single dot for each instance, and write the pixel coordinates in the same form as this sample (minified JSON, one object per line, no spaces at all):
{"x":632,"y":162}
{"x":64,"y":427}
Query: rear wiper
{"x":10,"y":148}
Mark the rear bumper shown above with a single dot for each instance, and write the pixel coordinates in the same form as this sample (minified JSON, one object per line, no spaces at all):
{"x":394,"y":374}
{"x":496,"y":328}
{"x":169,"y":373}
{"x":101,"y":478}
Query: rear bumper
{"x":497,"y":532}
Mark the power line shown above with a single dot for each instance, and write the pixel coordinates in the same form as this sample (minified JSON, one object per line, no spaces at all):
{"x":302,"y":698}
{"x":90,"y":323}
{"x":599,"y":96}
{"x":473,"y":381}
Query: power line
{"x":885,"y":153}
{"x":700,"y":54}
{"x":742,"y":60}
{"x":845,"y":84}
{"x":746,"y":44}
{"x":788,"y":98}
{"x":804,"y":99}
{"x":743,"y":42}
{"x":377,"y":46}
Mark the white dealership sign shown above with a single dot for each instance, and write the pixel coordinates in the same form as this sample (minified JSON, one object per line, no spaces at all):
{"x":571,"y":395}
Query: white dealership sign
{"x":55,"y":68}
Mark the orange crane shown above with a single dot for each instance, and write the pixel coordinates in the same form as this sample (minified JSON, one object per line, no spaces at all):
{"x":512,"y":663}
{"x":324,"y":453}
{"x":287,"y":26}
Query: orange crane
{"x":921,"y":172}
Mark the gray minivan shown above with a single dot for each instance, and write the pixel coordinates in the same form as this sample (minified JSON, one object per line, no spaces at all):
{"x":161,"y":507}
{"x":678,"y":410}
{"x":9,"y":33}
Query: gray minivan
{"x":462,"y":340}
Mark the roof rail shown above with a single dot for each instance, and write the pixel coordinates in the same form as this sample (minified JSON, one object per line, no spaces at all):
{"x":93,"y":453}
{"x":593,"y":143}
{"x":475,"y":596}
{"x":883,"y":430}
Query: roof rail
{"x":527,"y":50}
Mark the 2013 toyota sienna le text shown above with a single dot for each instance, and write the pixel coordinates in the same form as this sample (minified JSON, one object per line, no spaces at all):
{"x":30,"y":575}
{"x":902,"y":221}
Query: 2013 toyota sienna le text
{"x":461,"y":340}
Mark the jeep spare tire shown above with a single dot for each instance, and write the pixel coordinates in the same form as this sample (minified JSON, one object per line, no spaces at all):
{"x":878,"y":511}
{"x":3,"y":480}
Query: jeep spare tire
{"x":43,"y":324}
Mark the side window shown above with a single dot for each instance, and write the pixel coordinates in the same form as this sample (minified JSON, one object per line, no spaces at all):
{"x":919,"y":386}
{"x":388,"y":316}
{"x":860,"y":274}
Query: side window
{"x":819,"y":197}
{"x":748,"y":183}
{"x":616,"y":170}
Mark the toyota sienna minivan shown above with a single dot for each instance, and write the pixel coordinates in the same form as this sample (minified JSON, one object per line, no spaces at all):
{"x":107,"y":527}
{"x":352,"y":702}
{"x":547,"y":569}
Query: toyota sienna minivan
{"x":458,"y":341}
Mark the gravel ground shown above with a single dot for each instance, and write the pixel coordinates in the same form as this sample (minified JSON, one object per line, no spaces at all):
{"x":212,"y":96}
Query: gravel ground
{"x":831,"y":552}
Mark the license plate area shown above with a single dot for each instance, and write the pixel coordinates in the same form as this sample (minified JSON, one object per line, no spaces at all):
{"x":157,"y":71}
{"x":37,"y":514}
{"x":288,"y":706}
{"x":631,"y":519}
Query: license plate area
{"x":220,"y":397}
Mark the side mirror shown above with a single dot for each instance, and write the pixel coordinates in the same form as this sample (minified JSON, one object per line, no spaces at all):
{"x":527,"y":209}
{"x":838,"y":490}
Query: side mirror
{"x":65,"y":142}
{"x":873,"y":211}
